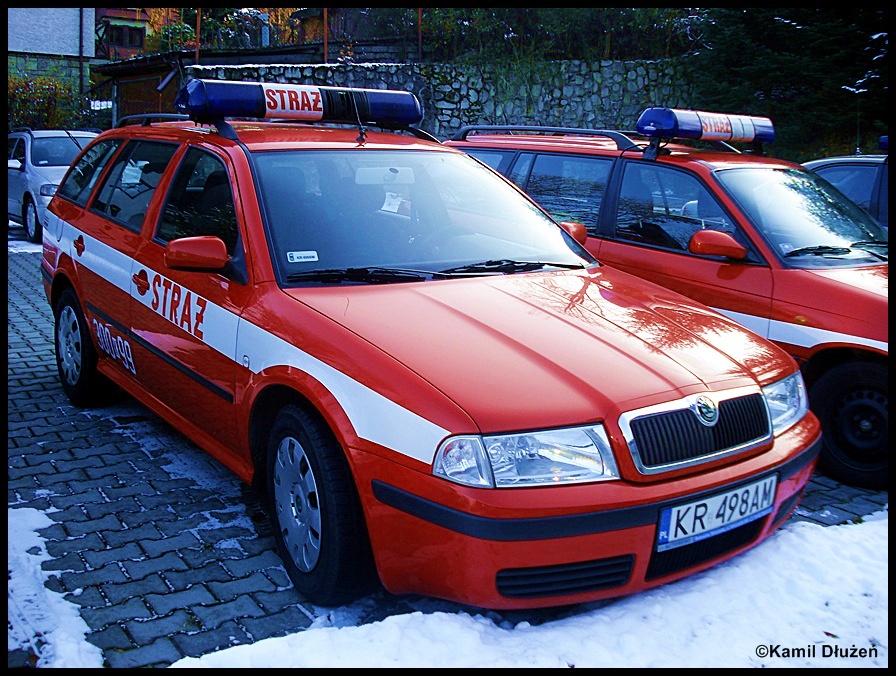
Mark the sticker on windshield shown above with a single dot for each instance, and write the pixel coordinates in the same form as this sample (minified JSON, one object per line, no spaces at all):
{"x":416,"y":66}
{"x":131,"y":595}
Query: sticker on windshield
{"x":301,"y":256}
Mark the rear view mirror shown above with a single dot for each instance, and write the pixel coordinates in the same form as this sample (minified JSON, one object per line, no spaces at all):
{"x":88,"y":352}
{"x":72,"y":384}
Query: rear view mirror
{"x":196,"y":253}
{"x":716,"y":243}
{"x":576,"y":230}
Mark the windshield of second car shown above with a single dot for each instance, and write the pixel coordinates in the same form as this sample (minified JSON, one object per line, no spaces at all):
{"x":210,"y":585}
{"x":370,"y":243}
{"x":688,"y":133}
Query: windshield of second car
{"x":370,"y":216}
{"x":55,"y":151}
{"x":808,"y":222}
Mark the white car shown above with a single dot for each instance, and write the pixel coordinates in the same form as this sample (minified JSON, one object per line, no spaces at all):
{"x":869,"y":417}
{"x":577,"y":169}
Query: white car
{"x":37,"y":160}
{"x":862,"y":178}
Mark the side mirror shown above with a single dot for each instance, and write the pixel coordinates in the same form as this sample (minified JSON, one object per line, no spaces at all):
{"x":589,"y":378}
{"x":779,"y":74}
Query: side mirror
{"x":576,"y":230}
{"x":716,"y":243}
{"x":15,"y":165}
{"x":197,"y":253}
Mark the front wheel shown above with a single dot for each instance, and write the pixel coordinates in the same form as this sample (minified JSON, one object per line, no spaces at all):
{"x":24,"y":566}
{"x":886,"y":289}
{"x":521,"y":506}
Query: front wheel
{"x":33,"y":228}
{"x":318,"y":522}
{"x":852,"y":403}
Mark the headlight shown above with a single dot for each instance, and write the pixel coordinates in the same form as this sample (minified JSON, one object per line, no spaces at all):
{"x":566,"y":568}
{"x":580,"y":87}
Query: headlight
{"x":48,"y":189}
{"x":564,"y":456}
{"x":787,"y":401}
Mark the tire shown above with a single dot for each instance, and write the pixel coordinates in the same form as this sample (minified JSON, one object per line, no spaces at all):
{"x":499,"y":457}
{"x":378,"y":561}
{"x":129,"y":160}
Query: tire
{"x":852,"y":403}
{"x":34,"y":231}
{"x":76,"y":358}
{"x":315,"y":510}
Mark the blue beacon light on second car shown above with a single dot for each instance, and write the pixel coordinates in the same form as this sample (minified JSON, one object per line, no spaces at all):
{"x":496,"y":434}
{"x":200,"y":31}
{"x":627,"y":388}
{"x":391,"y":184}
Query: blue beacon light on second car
{"x":703,"y":126}
{"x":209,"y":101}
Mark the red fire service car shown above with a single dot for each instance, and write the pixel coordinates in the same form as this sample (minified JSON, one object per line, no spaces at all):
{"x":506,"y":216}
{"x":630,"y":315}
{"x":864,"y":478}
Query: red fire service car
{"x":433,"y":382}
{"x":762,"y":241}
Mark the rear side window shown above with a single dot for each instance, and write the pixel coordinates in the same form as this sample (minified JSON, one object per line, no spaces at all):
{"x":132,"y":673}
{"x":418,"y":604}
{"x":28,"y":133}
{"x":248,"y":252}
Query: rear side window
{"x":132,"y":182}
{"x":570,"y":188}
{"x":200,"y":201}
{"x":79,"y":182}
{"x":496,"y":159}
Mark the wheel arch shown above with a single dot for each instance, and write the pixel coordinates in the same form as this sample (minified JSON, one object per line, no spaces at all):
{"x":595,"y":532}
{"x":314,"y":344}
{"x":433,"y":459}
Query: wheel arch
{"x":60,"y":283}
{"x":265,"y":408}
{"x":822,"y":362}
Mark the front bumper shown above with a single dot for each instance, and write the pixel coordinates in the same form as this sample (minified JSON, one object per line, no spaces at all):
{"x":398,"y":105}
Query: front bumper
{"x":552,"y":553}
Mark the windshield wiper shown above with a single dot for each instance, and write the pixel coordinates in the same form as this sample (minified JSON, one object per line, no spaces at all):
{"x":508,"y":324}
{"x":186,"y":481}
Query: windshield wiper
{"x":503,"y":266}
{"x":368,"y":275}
{"x":823,"y":250}
{"x":870,"y":244}
{"x":74,"y":140}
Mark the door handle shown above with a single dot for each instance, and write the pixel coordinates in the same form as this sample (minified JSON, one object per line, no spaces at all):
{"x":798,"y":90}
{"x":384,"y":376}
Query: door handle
{"x":141,"y":281}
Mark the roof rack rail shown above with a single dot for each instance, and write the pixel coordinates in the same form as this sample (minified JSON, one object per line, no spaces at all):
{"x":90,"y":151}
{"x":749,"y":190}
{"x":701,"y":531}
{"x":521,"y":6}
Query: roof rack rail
{"x":623,"y":142}
{"x":148,"y":118}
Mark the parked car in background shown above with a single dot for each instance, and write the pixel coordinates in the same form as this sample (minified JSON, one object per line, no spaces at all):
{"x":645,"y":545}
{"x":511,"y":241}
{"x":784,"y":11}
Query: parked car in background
{"x":862,"y":178}
{"x":433,"y":382}
{"x":37,"y":159}
{"x":763,"y":241}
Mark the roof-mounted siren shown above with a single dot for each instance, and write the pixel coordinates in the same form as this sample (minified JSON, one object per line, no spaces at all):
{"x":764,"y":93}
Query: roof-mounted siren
{"x":674,"y":123}
{"x":210,"y":101}
{"x":883,"y":143}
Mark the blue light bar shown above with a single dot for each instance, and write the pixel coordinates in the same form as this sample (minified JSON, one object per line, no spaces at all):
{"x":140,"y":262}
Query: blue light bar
{"x":702,"y":126}
{"x":210,"y":100}
{"x":884,"y":143}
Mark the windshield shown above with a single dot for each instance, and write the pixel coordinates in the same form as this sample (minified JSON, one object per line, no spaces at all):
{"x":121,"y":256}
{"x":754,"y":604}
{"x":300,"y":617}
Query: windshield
{"x":376,"y":216}
{"x":56,"y":151}
{"x":807,"y":221}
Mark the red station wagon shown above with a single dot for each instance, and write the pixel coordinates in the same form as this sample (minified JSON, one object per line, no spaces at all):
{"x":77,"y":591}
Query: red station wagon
{"x":435,"y":384}
{"x":762,"y":241}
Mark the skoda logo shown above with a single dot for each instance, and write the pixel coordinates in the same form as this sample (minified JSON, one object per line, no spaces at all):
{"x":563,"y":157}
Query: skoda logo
{"x":706,"y":410}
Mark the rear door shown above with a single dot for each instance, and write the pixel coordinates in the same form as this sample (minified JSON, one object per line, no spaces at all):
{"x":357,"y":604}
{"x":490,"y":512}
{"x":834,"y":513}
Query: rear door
{"x":185,"y":321}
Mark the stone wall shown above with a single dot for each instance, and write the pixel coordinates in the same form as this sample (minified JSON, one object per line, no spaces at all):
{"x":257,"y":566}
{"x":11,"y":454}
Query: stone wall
{"x":596,"y":94}
{"x":65,"y":68}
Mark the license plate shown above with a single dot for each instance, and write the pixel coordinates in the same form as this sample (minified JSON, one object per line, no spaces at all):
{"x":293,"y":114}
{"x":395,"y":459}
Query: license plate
{"x":694,"y":521}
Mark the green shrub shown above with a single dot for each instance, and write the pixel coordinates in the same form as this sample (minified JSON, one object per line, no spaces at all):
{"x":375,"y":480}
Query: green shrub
{"x":41,"y":103}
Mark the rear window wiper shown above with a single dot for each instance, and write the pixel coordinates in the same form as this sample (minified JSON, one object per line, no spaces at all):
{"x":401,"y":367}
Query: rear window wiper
{"x":503,"y":266}
{"x":366,"y":275}
{"x":823,"y":250}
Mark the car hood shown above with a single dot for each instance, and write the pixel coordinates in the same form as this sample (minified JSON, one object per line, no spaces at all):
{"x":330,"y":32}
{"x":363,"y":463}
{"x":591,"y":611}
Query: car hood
{"x":531,"y":350}
{"x":874,"y":280}
{"x":49,"y":174}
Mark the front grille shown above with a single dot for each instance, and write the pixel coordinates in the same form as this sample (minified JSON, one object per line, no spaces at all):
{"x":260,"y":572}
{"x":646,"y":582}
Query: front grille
{"x":661,"y":440}
{"x":571,"y":578}
{"x":680,"y":558}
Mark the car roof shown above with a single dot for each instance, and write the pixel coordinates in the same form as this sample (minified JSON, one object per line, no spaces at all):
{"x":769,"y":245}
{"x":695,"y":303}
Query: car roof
{"x":272,"y":135}
{"x":845,"y":159}
{"x":676,"y":153}
{"x":49,"y":133}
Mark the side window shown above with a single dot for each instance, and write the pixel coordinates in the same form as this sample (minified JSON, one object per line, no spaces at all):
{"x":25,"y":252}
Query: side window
{"x":16,"y":149}
{"x":521,"y":169}
{"x":132,"y":182}
{"x":884,"y":199}
{"x":79,"y":183}
{"x":664,"y":207}
{"x":200,"y":201}
{"x":496,"y":159}
{"x":570,"y":188}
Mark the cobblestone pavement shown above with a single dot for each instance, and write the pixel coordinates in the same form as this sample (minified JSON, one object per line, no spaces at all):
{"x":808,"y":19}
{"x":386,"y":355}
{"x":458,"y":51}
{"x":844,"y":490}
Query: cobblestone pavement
{"x":166,"y":553}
